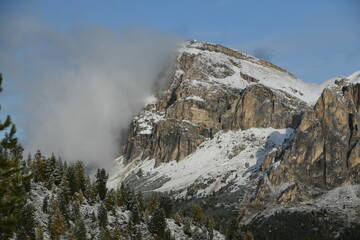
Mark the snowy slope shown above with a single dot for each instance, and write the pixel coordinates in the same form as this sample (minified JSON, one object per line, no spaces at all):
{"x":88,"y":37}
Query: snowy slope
{"x":230,"y":157}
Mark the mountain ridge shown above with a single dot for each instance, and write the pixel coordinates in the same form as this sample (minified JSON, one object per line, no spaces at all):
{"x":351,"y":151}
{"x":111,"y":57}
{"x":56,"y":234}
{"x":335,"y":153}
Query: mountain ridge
{"x":248,"y":132}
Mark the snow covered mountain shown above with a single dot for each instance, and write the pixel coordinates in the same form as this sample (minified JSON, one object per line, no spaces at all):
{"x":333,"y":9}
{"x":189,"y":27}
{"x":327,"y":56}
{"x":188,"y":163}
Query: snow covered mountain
{"x":244,"y":129}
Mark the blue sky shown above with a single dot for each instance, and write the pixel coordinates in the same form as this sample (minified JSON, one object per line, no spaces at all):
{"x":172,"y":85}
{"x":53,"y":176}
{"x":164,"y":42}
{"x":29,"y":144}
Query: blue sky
{"x":315,"y":40}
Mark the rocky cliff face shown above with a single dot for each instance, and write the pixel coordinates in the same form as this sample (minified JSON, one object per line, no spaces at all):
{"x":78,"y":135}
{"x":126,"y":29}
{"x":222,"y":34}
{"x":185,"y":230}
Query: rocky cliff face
{"x":245,"y":129}
{"x":325,"y":151}
{"x":210,"y":93}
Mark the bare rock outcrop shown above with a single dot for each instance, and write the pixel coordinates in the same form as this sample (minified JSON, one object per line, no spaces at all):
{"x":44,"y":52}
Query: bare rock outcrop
{"x":325,"y":152}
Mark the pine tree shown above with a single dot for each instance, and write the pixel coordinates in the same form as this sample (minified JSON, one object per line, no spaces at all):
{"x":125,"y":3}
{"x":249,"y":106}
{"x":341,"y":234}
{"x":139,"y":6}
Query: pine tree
{"x":102,"y":215}
{"x":158,"y":223}
{"x":63,"y":199}
{"x":39,"y":167}
{"x":178,"y":219}
{"x":58,"y":172}
{"x":187,"y":227}
{"x":50,"y":167}
{"x":91,"y":191}
{"x":101,"y":180}
{"x":13,"y":180}
{"x":105,"y":234}
{"x":71,"y":178}
{"x":235,"y":232}
{"x":210,"y":224}
{"x":75,"y":211}
{"x":121,"y":195}
{"x":58,"y":224}
{"x":166,"y":203}
{"x":153,"y":202}
{"x":80,"y":229}
{"x":27,"y":222}
{"x":110,"y":200}
{"x":29,"y":162}
{"x":39,"y":233}
{"x":80,"y":175}
{"x":141,"y":202}
{"x":135,"y":217}
{"x":196,"y":213}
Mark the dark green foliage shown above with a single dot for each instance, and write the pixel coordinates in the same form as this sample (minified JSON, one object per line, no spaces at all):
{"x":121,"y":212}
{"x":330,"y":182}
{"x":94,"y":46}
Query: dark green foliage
{"x":101,"y":180}
{"x":296,"y":225}
{"x":57,"y":224}
{"x":158,"y":223}
{"x":166,"y":203}
{"x":235,"y":232}
{"x":39,"y":233}
{"x":80,"y":176}
{"x":80,"y":229}
{"x":105,"y":234}
{"x":135,"y":217}
{"x":71,"y":178}
{"x":110,"y":200}
{"x":168,"y":236}
{"x":153,"y":202}
{"x":13,"y":178}
{"x":63,"y":202}
{"x":27,"y":223}
{"x":196,"y":213}
{"x":75,"y":211}
{"x":141,"y":202}
{"x":102,"y":215}
{"x":39,"y":167}
{"x":90,"y":191}
{"x":45,"y":204}
{"x":352,"y":232}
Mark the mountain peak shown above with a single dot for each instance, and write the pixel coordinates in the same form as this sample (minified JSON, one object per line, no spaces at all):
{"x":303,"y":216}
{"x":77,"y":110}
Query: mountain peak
{"x":223,"y":65}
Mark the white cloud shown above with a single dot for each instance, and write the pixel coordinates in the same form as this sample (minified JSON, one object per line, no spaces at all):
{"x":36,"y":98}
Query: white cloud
{"x":81,"y":87}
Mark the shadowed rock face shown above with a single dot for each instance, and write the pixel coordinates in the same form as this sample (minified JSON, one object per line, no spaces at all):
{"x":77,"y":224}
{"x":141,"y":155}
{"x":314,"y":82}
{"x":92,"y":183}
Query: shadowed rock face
{"x":194,"y":109}
{"x":325,"y":152}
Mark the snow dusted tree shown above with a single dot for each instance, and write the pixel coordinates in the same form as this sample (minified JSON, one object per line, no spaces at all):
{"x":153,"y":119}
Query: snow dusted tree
{"x":50,"y":167}
{"x":58,"y":172}
{"x":90,"y":191}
